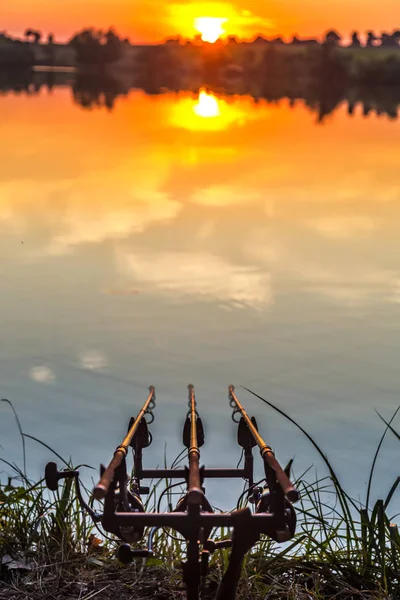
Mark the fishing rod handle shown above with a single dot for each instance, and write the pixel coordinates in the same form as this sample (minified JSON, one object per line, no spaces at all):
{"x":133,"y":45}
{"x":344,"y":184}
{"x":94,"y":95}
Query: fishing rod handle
{"x":286,"y":485}
{"x":195,"y":493}
{"x":101,"y":489}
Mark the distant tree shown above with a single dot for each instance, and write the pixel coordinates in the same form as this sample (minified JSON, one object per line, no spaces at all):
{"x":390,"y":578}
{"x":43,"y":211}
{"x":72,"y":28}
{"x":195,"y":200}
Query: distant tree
{"x":15,"y":53}
{"x":175,"y":40}
{"x":332,"y":37}
{"x":296,"y":40}
{"x":50,"y":49}
{"x":112,"y":48}
{"x":93,"y":92}
{"x":355,"y":40}
{"x":215,"y":58}
{"x":351,"y":107}
{"x":86,"y":44}
{"x":270,"y":61}
{"x":249,"y":57}
{"x":371,"y":39}
{"x":50,"y":81}
{"x":96,"y":47}
{"x":232,"y":39}
{"x":260,"y":40}
{"x":277,"y":41}
{"x":388,"y":40}
{"x":396,"y":35}
{"x":32,"y":34}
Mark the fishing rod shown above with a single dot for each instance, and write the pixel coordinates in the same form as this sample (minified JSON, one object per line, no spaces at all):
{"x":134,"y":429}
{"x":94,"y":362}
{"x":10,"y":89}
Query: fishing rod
{"x":101,"y":489}
{"x":275,"y":499}
{"x":267,"y":454}
{"x":193,"y":439}
{"x":269,"y":511}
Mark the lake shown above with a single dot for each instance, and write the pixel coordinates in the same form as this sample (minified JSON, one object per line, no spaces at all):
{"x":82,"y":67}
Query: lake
{"x":196,"y":238}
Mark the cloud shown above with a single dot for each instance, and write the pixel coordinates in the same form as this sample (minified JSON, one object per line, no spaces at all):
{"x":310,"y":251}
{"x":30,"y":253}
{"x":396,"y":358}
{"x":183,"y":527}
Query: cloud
{"x":240,"y":20}
{"x":201,"y":275}
{"x":354,"y":285}
{"x":320,"y":271}
{"x":93,"y":224}
{"x":224,"y":196}
{"x":83,"y":213}
{"x":343,"y":227}
{"x":249,"y":23}
{"x":93,"y":360}
{"x":395,"y":298}
{"x":42,"y":374}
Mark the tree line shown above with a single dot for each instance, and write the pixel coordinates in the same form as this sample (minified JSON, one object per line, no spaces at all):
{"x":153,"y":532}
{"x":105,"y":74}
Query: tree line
{"x":104,"y":47}
{"x":91,"y":47}
{"x":371,"y":40}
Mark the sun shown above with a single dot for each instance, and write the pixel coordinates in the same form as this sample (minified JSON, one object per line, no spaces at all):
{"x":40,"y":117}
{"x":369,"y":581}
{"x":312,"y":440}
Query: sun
{"x":210,"y":28}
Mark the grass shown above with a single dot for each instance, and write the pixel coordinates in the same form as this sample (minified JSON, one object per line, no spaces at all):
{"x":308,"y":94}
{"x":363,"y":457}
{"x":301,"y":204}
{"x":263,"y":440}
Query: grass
{"x":343,"y":549}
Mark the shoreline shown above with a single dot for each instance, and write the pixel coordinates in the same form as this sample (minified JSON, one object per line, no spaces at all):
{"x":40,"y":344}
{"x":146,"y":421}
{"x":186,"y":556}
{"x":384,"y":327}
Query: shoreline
{"x":343,"y":548}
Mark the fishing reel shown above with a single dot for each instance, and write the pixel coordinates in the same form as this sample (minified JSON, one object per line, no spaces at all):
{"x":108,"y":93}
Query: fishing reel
{"x":286,"y":514}
{"x":128,"y":500}
{"x":124,"y":494}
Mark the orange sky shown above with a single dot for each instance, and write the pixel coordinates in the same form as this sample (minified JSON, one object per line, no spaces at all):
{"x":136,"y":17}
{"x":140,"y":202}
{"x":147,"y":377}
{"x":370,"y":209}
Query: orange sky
{"x":153,"y":20}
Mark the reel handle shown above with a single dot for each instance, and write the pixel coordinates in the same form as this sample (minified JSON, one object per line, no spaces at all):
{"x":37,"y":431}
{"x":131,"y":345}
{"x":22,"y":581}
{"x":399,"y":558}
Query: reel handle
{"x":52,"y":475}
{"x":126,"y":555}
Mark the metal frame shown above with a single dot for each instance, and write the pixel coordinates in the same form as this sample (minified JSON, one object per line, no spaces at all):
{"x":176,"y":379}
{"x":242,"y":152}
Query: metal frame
{"x":194,"y":518}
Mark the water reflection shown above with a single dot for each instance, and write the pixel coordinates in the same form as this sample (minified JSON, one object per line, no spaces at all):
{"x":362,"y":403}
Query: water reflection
{"x":205,"y":111}
{"x":93,"y":360}
{"x":148,"y":246}
{"x":42,"y":374}
{"x":203,"y":276}
{"x":305,"y":195}
{"x":93,"y":92}
{"x":207,"y":105}
{"x":323,"y":99}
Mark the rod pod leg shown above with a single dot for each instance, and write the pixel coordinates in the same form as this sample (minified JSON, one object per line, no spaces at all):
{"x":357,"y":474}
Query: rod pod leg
{"x":243,"y":540}
{"x":192,"y":571}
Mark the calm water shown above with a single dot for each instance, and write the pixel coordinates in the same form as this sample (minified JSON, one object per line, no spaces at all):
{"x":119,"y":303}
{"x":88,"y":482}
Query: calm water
{"x":182,"y":239}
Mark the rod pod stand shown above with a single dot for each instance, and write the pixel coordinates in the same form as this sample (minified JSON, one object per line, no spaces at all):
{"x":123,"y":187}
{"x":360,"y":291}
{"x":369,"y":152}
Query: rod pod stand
{"x":125,"y":516}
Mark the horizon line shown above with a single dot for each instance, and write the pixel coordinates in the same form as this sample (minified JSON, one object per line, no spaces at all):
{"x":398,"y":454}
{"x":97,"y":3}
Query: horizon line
{"x":285,"y":37}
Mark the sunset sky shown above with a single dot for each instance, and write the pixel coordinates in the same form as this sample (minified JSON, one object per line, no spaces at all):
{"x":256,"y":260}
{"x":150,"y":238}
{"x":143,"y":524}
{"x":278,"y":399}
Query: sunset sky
{"x":153,"y":20}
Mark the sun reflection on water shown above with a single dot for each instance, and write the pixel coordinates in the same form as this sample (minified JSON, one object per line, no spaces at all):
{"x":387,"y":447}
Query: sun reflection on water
{"x":207,"y":106}
{"x":206,"y":112}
